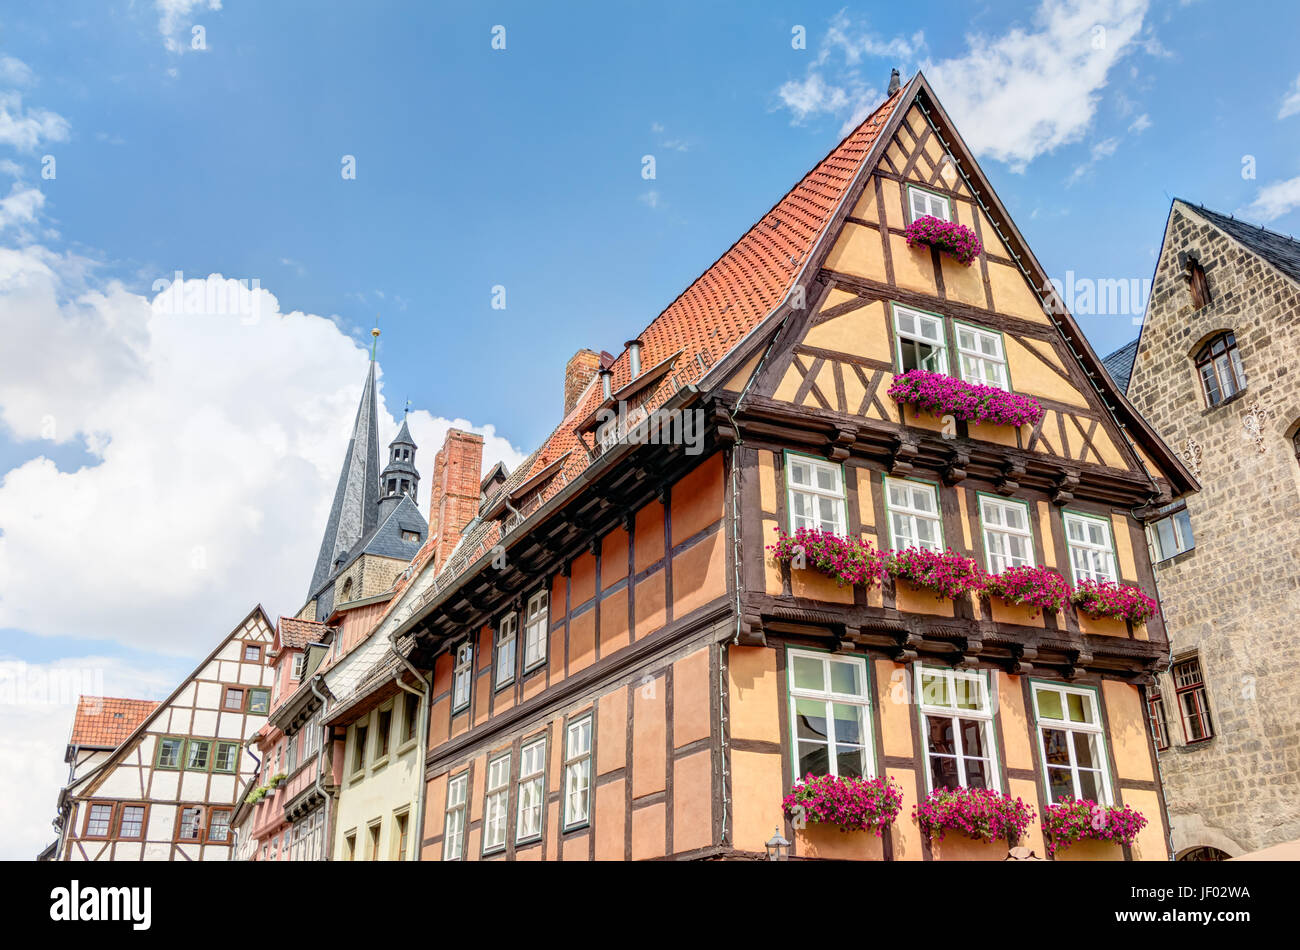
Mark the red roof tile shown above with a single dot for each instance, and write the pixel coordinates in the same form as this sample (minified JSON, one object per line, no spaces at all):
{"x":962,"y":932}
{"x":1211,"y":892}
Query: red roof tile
{"x":102,"y":722}
{"x":297,"y":634}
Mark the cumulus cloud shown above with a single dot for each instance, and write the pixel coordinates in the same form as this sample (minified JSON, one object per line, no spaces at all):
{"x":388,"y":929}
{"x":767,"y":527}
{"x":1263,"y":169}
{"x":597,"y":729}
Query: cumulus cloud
{"x":1291,"y":102}
{"x":1273,"y":200}
{"x":21,"y":205}
{"x":217,"y":424}
{"x":27,"y":129}
{"x":174,"y":21}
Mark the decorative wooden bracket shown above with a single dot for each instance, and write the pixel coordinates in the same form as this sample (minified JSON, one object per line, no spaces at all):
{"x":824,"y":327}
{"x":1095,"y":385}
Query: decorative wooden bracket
{"x":751,"y":631}
{"x":968,"y":648}
{"x":1076,"y":661}
{"x":905,"y":644}
{"x":955,"y":469}
{"x":1064,"y":486}
{"x":900,"y":458}
{"x":1021,"y":661}
{"x":1008,"y":482}
{"x":841,"y":443}
{"x":725,"y":426}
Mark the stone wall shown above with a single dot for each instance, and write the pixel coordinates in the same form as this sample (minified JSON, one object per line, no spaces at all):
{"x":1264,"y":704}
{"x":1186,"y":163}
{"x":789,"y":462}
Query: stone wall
{"x":1234,"y":599}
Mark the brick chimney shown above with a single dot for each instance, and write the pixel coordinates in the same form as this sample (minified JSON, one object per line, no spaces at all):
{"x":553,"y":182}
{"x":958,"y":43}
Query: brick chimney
{"x":453,"y":502}
{"x":578,"y":371}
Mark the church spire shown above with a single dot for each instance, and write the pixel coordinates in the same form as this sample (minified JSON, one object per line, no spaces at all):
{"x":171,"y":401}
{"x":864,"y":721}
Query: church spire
{"x":399,"y":476}
{"x":356,"y":499}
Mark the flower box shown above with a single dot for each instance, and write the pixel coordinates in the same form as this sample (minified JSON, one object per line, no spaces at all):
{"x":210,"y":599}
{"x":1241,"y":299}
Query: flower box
{"x":979,"y":813}
{"x":1104,"y":600}
{"x":955,"y":240}
{"x":1072,"y":820}
{"x":941,"y":395}
{"x":1038,"y":588}
{"x":948,"y":574}
{"x":851,"y":804}
{"x":848,"y":561}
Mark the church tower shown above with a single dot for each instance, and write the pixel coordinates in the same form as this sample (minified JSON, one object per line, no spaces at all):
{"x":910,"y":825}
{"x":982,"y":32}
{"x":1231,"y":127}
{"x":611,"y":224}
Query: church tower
{"x":399,"y":477}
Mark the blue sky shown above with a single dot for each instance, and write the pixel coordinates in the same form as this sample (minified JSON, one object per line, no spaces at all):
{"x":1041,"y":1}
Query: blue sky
{"x":217,"y":443}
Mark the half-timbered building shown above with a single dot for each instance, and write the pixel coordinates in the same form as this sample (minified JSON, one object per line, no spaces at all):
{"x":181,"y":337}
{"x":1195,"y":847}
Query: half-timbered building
{"x":622,"y":670}
{"x":167,"y":789}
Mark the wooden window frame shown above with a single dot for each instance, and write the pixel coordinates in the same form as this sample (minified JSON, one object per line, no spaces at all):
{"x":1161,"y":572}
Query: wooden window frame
{"x":180,"y":821}
{"x":121,"y":818}
{"x":243,"y":654}
{"x":535,"y":778}
{"x":840,"y":497}
{"x":830,"y":698}
{"x":465,"y":667}
{"x":491,"y":793}
{"x":1158,"y":717}
{"x":410,"y":719}
{"x":460,"y":806}
{"x":506,"y":647}
{"x":109,"y":825}
{"x":401,"y":833}
{"x":253,"y":691}
{"x":949,"y":214}
{"x":383,"y":736}
{"x":1095,"y":728}
{"x":572,"y":761}
{"x":360,"y":739}
{"x":180,"y":758}
{"x":913,"y":513}
{"x":1207,"y":358}
{"x":537,"y":618}
{"x":374,"y":837}
{"x":986,"y":529}
{"x":243,"y":699}
{"x":943,"y":354}
{"x":296,"y":666}
{"x":1005,"y":382}
{"x":985,"y":715}
{"x":189,"y":743}
{"x":1198,"y":695}
{"x":1070,"y":545}
{"x":213,"y":810}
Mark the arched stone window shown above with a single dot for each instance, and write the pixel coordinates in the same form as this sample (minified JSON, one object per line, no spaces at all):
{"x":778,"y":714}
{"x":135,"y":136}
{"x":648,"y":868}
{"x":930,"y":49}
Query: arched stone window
{"x":347,"y":591}
{"x":1219,"y":366}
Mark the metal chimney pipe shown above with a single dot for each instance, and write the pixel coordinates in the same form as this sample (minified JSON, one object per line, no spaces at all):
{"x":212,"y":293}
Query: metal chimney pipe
{"x":634,"y":356}
{"x":605,"y":376}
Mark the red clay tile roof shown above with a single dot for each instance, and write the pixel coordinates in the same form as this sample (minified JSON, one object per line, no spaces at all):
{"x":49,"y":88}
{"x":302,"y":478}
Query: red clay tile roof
{"x":103,"y":722}
{"x":296,"y":634}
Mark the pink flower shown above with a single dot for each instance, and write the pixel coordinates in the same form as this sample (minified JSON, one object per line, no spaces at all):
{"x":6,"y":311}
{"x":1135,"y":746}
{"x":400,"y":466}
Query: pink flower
{"x":854,"y":804}
{"x":948,"y":574}
{"x":850,"y":561}
{"x":1103,"y":599}
{"x":975,"y":812}
{"x":1038,"y":587}
{"x":941,"y":395}
{"x":955,"y":239}
{"x":1072,"y":820}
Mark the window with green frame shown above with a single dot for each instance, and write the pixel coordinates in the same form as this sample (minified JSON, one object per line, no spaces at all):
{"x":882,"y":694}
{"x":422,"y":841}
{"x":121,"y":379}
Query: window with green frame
{"x":956,"y":712}
{"x":1092,"y":553}
{"x":198,"y":755}
{"x":1007,"y":531}
{"x":259,"y":701}
{"x":171,"y":750}
{"x":920,"y":340}
{"x":227,"y":757}
{"x":830,"y":714}
{"x":981,"y":357}
{"x":915,"y":520}
{"x":815,"y":494}
{"x":1071,"y":742}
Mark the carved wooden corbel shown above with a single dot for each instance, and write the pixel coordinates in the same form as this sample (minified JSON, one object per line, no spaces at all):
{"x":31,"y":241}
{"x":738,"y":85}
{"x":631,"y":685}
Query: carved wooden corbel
{"x":841,"y":443}
{"x":1021,"y":661}
{"x":904,"y":648}
{"x":900,"y":457}
{"x":1008,"y":482}
{"x":1064,"y":486}
{"x":751,"y":631}
{"x":955,"y":469}
{"x":1076,"y":662}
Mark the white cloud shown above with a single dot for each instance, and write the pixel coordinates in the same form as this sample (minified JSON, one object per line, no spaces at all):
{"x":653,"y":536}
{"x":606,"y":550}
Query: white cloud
{"x":813,"y":95}
{"x":218,"y":438}
{"x":650,"y":198}
{"x":1273,"y":201}
{"x":14,"y":72}
{"x":27,"y":129}
{"x":21,"y":205}
{"x":1291,"y":102}
{"x":1140,"y":124}
{"x":1028,"y":92}
{"x":174,"y":22}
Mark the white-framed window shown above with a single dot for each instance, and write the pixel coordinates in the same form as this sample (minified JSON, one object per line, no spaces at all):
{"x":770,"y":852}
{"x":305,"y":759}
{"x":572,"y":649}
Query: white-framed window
{"x":914,"y":518}
{"x":1171,"y":535}
{"x":830,"y":716}
{"x":1071,"y":743}
{"x":981,"y":357}
{"x":462,"y":676}
{"x":957,"y":725}
{"x":1008,"y":537}
{"x":577,"y":772}
{"x":1092,"y":555}
{"x":506,"y":648}
{"x":532,"y":769}
{"x":299,"y":663}
{"x":924,"y":203}
{"x":536,"y":628}
{"x":815,"y":492}
{"x":921,"y":343}
{"x":494,"y":806}
{"x":453,"y":841}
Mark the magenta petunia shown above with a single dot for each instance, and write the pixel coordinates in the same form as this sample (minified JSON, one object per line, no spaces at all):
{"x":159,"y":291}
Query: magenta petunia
{"x":950,"y":237}
{"x":943,"y":395}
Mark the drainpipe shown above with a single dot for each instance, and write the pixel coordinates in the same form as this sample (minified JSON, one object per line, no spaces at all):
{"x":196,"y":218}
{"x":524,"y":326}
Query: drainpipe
{"x":421,"y":787}
{"x":328,"y":844}
{"x":234,"y":832}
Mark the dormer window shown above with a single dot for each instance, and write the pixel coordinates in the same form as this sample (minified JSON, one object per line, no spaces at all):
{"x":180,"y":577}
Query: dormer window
{"x":923,"y":203}
{"x":1219,"y":365}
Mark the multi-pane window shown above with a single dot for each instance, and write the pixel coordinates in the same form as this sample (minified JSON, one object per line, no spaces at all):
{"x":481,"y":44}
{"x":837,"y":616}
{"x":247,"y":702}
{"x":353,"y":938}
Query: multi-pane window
{"x":532,"y":764}
{"x":98,"y":821}
{"x":410,"y":717}
{"x":400,"y":833}
{"x":1071,"y":742}
{"x":1220,"y":369}
{"x":829,"y":711}
{"x":957,"y":713}
{"x":494,"y":806}
{"x":1171,"y":535}
{"x":291,"y":753}
{"x":1159,"y":720}
{"x":1092,"y":556}
{"x":816,"y":494}
{"x":921,"y":341}
{"x":461,"y":677}
{"x":924,"y":203}
{"x":536,"y":626}
{"x":299,"y":663}
{"x":132,"y":823}
{"x":1008,"y":538}
{"x":577,"y":772}
{"x":196,"y":755}
{"x":252,"y":653}
{"x":219,"y":825}
{"x":385,"y":733}
{"x":453,"y":842}
{"x":191,"y":824}
{"x":914,"y":520}
{"x":1192,"y":704}
{"x":981,"y":357}
{"x":259,"y":700}
{"x":506,"y":640}
{"x":234,"y":699}
{"x":227,"y":757}
{"x":169,"y":752}
{"x":359,"y":748}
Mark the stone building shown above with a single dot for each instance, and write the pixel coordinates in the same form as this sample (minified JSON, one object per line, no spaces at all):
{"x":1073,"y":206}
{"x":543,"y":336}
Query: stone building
{"x":1214,"y":371}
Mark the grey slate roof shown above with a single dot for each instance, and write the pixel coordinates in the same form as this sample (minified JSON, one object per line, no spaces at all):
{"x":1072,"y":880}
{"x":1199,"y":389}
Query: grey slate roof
{"x":404,"y":436}
{"x":356,"y":499}
{"x":1280,"y":250}
{"x":1120,"y":364}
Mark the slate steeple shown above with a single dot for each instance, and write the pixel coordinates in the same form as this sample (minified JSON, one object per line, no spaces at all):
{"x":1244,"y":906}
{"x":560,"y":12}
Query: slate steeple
{"x":400,"y":476}
{"x":355,"y":511}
